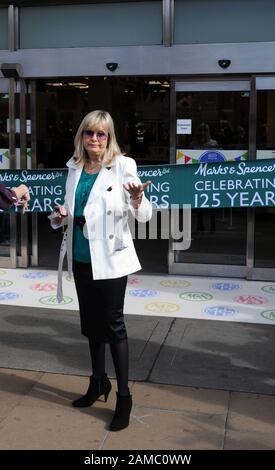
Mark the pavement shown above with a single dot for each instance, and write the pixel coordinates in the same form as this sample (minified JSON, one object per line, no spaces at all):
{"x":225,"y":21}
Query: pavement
{"x":196,"y":384}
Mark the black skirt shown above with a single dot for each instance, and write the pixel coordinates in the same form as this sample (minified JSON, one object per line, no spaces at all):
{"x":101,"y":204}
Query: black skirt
{"x":101,"y":305}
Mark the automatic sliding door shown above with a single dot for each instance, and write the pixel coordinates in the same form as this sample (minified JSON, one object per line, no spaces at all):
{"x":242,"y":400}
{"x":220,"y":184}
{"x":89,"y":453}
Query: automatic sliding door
{"x":15,"y":149}
{"x":264,"y":235}
{"x":7,"y":220}
{"x":216,"y":127}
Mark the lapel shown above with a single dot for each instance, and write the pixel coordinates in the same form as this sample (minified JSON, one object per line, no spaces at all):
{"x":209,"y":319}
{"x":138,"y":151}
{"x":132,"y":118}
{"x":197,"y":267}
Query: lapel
{"x":104,"y":180}
{"x":75,"y":173}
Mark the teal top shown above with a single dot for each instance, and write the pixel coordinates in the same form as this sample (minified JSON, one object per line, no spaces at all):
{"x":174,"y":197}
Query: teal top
{"x":81,"y":250}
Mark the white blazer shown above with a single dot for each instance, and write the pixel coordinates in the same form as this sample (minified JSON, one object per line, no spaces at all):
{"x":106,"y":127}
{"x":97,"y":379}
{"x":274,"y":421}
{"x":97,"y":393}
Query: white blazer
{"x":111,"y":245}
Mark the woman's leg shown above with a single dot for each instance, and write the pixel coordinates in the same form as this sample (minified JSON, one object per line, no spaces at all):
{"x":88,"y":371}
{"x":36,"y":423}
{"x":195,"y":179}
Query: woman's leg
{"x":120,"y":357}
{"x":97,"y":352}
{"x":124,"y":399}
{"x":99,"y":382}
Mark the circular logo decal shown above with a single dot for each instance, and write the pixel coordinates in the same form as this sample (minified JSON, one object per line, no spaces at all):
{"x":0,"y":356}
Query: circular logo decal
{"x":133,"y":280}
{"x":9,"y":296}
{"x":197,"y":296}
{"x":52,"y":300}
{"x":212,"y":156}
{"x":143,"y":293}
{"x":251,"y":299}
{"x":226,"y":286}
{"x":35,"y":275}
{"x":162,"y":307}
{"x":5,"y":283}
{"x":70,"y":279}
{"x":269,"y":314}
{"x":220,"y":311}
{"x":175,"y":283}
{"x":46,"y":287}
{"x":269,"y":289}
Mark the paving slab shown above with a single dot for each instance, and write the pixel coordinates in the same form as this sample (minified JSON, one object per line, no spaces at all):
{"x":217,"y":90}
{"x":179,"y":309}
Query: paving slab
{"x":249,"y":440}
{"x":28,"y":427}
{"x":14,"y":385}
{"x":50,"y":340}
{"x":40,"y":416}
{"x":164,"y":429}
{"x":200,"y":353}
{"x":178,"y":398}
{"x":253,"y":412}
{"x":193,"y":353}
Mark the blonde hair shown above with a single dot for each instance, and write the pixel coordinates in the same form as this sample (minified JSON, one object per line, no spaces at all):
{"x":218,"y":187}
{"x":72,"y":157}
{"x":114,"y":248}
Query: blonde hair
{"x":91,"y":120}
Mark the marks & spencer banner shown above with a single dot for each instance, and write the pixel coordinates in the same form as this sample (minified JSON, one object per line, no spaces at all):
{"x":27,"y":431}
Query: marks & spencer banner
{"x":205,"y":185}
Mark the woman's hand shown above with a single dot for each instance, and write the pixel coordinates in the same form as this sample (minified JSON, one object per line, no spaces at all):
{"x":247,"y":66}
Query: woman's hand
{"x":136,"y":192}
{"x":23,"y":196}
{"x":60,"y":212}
{"x":56,"y":217}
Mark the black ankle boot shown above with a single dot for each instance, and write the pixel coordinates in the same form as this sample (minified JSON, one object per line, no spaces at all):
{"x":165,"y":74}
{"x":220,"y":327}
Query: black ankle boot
{"x":122,"y":412}
{"x":98,"y":386}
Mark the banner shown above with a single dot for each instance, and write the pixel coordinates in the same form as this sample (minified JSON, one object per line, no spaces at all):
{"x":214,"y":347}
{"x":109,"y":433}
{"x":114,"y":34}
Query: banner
{"x":205,"y":185}
{"x":187,"y":157}
{"x":47,"y":187}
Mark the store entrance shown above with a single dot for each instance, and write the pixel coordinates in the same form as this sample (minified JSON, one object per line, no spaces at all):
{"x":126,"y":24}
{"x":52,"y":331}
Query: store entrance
{"x":216,"y":118}
{"x":140,"y":109}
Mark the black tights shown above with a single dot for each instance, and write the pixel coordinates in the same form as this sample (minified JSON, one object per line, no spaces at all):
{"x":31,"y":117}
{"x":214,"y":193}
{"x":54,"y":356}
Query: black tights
{"x":120,"y":357}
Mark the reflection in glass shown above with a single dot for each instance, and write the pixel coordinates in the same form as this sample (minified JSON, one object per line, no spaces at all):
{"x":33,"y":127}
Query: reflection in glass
{"x":138,"y":105}
{"x":266,"y":124}
{"x":264,"y":237}
{"x":218,"y":237}
{"x":4,"y":234}
{"x":264,"y":253}
{"x":219,"y":119}
{"x":4,"y":163}
{"x":218,"y":132}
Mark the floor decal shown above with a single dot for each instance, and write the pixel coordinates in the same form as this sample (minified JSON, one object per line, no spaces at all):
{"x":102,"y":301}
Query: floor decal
{"x":162,"y":295}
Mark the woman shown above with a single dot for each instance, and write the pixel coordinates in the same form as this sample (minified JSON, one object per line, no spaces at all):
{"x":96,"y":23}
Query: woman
{"x":102,"y":185}
{"x":15,"y":196}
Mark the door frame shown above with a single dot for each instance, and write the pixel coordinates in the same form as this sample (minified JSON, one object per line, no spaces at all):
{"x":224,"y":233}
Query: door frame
{"x":264,"y":82}
{"x":9,"y":86}
{"x":18,"y":248}
{"x":206,"y":84}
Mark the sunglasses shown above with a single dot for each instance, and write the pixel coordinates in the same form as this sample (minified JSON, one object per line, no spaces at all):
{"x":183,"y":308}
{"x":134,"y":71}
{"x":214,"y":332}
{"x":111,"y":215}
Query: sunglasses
{"x":100,"y":135}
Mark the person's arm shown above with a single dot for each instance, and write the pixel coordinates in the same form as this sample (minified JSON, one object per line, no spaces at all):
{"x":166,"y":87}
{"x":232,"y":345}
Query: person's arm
{"x":134,"y":188}
{"x":9,"y":197}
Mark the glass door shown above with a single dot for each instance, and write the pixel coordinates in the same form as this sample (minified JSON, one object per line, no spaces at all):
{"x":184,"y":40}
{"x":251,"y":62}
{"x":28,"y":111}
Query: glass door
{"x":140,"y":109}
{"x":7,"y":220}
{"x":15,"y":153}
{"x":211,"y":125}
{"x":264,"y":223}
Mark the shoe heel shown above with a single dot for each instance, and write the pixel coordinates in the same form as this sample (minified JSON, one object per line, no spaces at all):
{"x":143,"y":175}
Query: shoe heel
{"x":106,"y":394}
{"x":98,"y":386}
